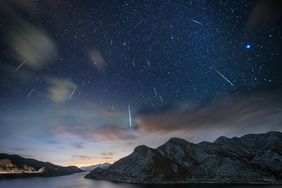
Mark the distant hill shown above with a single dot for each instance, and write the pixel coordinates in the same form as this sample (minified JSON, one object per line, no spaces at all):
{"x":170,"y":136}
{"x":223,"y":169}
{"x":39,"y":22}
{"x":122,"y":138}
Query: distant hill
{"x":92,"y":167}
{"x":13,"y":166}
{"x":253,"y":158}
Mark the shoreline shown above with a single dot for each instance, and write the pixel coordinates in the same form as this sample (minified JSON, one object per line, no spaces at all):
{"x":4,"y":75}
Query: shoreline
{"x":194,"y":182}
{"x":31,"y":175}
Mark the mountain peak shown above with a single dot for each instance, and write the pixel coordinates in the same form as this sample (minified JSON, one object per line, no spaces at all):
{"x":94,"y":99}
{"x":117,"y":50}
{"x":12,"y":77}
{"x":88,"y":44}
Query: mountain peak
{"x":249,"y":159}
{"x":142,"y":148}
{"x":175,"y":140}
{"x":222,"y":139}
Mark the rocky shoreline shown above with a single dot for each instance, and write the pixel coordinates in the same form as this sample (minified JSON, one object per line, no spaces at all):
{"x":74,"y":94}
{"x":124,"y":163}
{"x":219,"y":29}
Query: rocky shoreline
{"x":250,"y":159}
{"x":15,"y":166}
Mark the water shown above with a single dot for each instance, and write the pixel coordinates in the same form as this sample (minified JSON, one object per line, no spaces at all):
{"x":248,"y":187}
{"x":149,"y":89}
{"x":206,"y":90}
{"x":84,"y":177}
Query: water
{"x":77,"y":181}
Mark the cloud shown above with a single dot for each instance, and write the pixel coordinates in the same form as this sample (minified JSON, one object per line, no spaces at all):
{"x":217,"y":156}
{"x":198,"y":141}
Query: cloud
{"x":234,"y":114}
{"x":18,"y":149}
{"x":96,"y":134}
{"x":78,"y":145}
{"x":60,"y":89}
{"x":90,"y":158}
{"x":53,"y":142}
{"x":110,"y":113}
{"x":107,"y":153}
{"x":97,"y":59}
{"x":264,"y":13}
{"x":32,"y":45}
{"x":84,"y":157}
{"x":88,"y":121}
{"x":112,"y":132}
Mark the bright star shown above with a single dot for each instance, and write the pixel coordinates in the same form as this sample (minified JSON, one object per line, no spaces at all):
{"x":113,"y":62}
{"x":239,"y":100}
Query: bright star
{"x":248,"y":46}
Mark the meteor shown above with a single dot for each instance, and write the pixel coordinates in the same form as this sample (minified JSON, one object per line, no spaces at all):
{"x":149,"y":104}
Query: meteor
{"x":20,"y":66}
{"x":136,"y":25}
{"x":129,"y":117}
{"x":226,"y":79}
{"x":155,"y":91}
{"x":197,"y":22}
{"x":72,"y":93}
{"x":29,"y":93}
{"x":148,"y":62}
{"x":161,"y":99}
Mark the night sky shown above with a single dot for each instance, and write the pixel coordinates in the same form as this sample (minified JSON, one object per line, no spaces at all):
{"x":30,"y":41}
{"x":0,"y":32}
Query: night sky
{"x":84,"y":82}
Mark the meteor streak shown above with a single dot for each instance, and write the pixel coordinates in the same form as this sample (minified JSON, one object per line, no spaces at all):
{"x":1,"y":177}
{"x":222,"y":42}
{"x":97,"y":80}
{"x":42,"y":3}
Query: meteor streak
{"x":197,"y":22}
{"x":155,"y":91}
{"x":136,"y":25}
{"x":148,"y":62}
{"x":129,"y":117}
{"x":29,"y":93}
{"x":72,"y":93}
{"x":161,"y":99}
{"x":20,"y":66}
{"x":226,"y":79}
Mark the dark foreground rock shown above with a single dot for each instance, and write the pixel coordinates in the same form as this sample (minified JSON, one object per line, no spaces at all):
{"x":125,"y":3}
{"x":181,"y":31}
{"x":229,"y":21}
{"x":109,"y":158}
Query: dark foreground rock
{"x":92,"y":167}
{"x":253,"y":158}
{"x":14,"y":166}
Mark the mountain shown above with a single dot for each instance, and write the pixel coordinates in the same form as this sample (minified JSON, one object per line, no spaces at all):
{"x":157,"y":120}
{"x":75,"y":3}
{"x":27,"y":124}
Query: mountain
{"x":92,"y":167}
{"x":13,"y":166}
{"x":253,"y":158}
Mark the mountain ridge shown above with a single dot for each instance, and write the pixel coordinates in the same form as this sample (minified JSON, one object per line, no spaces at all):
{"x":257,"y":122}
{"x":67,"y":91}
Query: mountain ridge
{"x":92,"y":167}
{"x":252,"y":158}
{"x":15,"y":166}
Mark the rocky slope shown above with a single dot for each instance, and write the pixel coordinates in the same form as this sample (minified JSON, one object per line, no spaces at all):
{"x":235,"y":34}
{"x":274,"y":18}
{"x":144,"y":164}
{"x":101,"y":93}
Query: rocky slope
{"x":13,"y":166}
{"x":253,"y":158}
{"x":92,"y":167}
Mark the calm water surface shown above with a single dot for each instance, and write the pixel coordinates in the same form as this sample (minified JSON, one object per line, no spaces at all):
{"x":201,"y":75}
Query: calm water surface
{"x":77,"y":181}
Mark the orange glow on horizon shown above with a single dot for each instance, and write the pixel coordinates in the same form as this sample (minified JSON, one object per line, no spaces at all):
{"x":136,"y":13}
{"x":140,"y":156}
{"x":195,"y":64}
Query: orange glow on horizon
{"x":83,"y":164}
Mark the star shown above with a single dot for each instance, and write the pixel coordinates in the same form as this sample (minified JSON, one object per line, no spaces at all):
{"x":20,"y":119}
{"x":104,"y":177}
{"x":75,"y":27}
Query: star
{"x":248,"y":46}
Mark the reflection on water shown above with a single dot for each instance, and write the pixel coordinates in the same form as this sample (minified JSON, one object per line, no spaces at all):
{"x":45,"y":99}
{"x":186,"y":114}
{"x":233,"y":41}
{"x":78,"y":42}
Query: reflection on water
{"x":77,"y":181}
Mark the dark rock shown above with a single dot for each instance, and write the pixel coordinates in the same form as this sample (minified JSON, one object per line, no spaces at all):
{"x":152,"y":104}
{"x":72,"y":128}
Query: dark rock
{"x":92,"y":167}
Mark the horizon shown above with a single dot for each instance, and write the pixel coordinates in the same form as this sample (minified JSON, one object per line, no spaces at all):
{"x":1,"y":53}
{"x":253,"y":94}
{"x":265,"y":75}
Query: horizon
{"x":91,"y":164}
{"x":84,"y":83}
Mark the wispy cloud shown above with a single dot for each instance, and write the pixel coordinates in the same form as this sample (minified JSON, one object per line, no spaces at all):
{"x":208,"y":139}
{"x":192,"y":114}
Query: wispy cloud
{"x":97,"y":59}
{"x":232,"y":114}
{"x":84,"y":157}
{"x":107,"y":153}
{"x":31,"y":44}
{"x":97,"y":134}
{"x":60,"y":89}
{"x":77,"y":145}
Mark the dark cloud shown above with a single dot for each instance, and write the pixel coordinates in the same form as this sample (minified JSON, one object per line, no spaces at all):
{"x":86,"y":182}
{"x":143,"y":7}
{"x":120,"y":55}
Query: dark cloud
{"x":53,"y":142}
{"x":107,"y":157}
{"x":107,"y":154}
{"x":18,"y":149}
{"x":84,"y":157}
{"x":78,"y":145}
{"x":237,"y":113}
{"x":264,"y":13}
